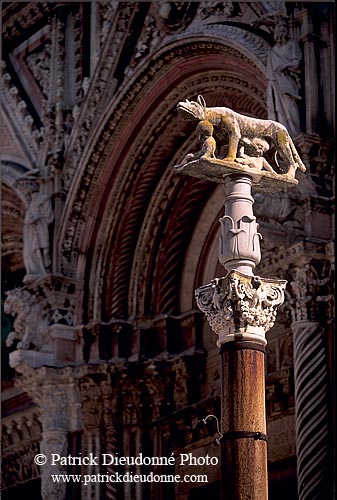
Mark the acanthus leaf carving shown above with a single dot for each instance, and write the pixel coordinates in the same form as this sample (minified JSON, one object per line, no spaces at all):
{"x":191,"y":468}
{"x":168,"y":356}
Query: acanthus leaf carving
{"x":240,"y":306}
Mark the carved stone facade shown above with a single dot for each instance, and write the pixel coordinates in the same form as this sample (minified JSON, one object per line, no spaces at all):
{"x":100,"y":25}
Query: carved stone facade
{"x":104,"y":349}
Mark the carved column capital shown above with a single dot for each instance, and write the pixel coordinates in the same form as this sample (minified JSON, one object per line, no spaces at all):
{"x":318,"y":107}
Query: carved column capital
{"x":241,"y":307}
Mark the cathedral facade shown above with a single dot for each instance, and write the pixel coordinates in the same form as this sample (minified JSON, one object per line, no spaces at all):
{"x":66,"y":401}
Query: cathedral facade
{"x":105,"y":353}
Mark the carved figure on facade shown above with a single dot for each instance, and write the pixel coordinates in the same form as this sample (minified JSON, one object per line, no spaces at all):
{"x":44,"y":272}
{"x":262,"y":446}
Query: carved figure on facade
{"x":39,"y":63}
{"x":39,"y":214}
{"x":233,"y":127}
{"x":149,"y":38}
{"x":174,"y":16}
{"x":180,"y":387}
{"x":283,"y":79}
{"x":305,"y":292}
{"x":30,"y":324}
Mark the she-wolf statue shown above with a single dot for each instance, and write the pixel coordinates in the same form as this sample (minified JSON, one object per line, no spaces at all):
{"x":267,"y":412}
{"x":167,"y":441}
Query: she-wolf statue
{"x":231,"y":126}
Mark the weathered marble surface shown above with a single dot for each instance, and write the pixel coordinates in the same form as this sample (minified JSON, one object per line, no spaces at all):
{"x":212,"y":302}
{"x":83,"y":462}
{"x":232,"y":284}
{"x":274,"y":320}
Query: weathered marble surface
{"x":216,"y":170}
{"x":231,"y":128}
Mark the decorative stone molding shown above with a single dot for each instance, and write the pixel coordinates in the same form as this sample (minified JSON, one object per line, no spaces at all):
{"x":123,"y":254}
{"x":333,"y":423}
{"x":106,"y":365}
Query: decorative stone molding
{"x":16,"y":107}
{"x":241,"y":307}
{"x":100,"y":86}
{"x":148,"y":40}
{"x":25,"y":18}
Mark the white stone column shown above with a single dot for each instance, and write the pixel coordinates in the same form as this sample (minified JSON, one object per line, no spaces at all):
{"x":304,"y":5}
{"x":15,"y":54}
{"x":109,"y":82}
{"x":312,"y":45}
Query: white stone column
{"x":239,"y":239}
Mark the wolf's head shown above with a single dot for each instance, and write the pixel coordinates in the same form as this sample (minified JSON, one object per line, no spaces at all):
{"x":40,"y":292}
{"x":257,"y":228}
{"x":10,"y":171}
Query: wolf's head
{"x":191,"y":110}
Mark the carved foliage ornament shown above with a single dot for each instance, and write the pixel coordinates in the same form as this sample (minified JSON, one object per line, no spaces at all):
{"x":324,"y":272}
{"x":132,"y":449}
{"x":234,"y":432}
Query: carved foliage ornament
{"x":241,"y":307}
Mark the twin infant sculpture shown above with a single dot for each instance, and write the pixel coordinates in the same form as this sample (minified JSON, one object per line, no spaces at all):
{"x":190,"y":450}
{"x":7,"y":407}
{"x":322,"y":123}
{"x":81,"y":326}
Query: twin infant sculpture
{"x":247,"y":137}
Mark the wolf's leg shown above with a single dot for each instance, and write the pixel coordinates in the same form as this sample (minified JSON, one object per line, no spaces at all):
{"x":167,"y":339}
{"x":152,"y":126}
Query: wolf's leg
{"x":283,"y":148}
{"x":233,"y":142}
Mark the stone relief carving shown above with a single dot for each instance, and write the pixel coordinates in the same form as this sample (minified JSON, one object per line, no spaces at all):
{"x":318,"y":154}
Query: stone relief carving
{"x":232,"y":126}
{"x":18,"y":465}
{"x":308,"y":289}
{"x":149,"y":38}
{"x":216,"y":8}
{"x":239,"y":306}
{"x":283,"y":79}
{"x":30,"y":326}
{"x":39,"y":63}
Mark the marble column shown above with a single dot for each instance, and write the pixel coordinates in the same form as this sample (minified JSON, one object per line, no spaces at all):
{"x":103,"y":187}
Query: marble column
{"x":240,"y":309}
{"x":313,"y":433}
{"x":54,"y":391}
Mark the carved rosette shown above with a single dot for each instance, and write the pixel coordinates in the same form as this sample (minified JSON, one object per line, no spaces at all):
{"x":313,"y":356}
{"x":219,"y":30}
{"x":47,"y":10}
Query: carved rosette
{"x":241,"y":307}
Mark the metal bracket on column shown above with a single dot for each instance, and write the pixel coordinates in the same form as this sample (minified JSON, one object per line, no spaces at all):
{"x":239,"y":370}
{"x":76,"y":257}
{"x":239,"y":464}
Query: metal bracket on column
{"x":204,"y":420}
{"x":258,"y":436}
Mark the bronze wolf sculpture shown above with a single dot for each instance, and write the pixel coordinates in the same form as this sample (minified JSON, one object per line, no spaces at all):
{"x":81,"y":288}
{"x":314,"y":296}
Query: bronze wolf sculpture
{"x":232,"y":126}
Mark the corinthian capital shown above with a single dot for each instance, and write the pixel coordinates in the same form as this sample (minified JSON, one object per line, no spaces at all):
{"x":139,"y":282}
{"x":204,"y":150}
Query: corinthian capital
{"x":241,"y":307}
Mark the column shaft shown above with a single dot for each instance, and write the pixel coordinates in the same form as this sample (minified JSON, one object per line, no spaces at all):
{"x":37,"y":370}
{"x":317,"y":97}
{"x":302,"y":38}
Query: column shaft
{"x":244,"y":422}
{"x":314,"y":461}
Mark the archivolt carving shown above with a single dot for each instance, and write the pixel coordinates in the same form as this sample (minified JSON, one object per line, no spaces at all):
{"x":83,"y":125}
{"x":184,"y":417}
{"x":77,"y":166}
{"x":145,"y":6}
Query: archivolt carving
{"x":121,"y":111}
{"x":149,"y":162}
{"x":243,"y":41}
{"x":171,"y":254}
